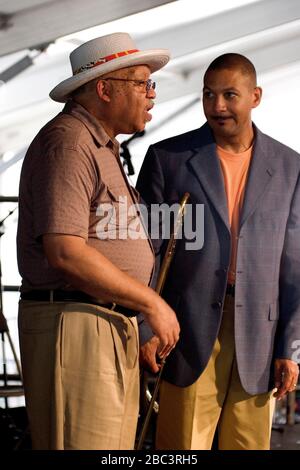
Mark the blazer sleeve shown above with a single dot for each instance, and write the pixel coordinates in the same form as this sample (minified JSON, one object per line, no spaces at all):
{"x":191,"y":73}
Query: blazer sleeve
{"x":288,"y":330}
{"x":150,"y":185}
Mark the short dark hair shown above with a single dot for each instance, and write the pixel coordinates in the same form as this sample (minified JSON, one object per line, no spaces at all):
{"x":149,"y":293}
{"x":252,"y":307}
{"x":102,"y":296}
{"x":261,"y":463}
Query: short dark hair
{"x":233,"y":60}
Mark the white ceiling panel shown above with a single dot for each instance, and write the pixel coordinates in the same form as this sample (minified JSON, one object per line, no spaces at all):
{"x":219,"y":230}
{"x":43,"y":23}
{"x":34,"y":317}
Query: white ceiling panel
{"x":13,"y":6}
{"x":225,"y":26}
{"x":266,"y":31}
{"x":31,"y":23}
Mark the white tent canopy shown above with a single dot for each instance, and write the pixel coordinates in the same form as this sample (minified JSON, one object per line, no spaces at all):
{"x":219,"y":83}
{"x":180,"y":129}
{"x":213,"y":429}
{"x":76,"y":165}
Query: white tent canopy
{"x":32,"y":23}
{"x":267,"y":31}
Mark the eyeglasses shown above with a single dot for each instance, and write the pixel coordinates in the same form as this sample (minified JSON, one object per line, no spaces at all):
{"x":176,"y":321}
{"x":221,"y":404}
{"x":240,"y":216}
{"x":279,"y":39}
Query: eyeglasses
{"x":146,"y":84}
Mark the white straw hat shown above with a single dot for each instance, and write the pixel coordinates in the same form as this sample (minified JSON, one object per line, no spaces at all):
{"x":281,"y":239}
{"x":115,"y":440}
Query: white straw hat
{"x":106,"y":54}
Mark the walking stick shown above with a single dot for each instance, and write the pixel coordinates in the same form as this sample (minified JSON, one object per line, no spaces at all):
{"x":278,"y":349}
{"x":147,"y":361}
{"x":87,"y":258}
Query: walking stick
{"x":159,"y":287}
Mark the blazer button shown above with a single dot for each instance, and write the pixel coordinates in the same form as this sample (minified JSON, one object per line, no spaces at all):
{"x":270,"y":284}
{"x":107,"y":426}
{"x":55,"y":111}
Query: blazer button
{"x":216,"y":305}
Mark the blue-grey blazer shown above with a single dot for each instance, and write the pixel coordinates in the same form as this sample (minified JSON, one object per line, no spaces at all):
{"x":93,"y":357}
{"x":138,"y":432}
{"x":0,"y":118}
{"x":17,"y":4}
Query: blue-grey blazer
{"x":267,"y":300}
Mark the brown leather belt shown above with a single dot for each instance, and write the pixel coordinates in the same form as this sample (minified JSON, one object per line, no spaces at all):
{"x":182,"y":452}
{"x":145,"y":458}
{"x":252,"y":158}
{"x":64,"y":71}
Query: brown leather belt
{"x":74,"y":296}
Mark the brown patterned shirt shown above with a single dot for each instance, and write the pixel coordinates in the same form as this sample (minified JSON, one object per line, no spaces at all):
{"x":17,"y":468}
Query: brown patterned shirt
{"x":72,"y":182}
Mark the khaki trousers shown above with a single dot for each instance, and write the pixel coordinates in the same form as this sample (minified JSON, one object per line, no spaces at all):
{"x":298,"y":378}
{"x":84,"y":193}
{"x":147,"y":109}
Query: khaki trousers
{"x":81,"y":377}
{"x":189,"y":416}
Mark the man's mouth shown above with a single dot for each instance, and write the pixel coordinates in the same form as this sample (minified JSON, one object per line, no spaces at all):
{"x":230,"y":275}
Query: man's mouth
{"x":148,"y":114}
{"x":221,"y":119}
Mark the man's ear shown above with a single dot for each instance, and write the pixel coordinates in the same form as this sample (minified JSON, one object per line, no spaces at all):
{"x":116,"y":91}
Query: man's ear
{"x":103,"y":90}
{"x":257,"y":94}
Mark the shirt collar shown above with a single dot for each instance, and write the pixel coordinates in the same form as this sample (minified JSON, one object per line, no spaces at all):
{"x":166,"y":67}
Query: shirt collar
{"x":92,"y":124}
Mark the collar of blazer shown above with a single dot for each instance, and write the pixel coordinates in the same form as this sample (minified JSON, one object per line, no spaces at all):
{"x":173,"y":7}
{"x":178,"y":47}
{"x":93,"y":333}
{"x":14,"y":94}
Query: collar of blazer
{"x":205,"y":164}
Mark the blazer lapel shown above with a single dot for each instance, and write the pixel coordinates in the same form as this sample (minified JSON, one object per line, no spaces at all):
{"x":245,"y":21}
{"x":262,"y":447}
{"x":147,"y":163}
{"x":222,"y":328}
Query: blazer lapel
{"x":260,"y":175}
{"x":205,"y":164}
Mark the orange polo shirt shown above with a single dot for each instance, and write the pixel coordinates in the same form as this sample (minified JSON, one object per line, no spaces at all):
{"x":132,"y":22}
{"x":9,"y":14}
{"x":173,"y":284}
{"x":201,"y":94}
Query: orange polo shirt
{"x":235,"y":168}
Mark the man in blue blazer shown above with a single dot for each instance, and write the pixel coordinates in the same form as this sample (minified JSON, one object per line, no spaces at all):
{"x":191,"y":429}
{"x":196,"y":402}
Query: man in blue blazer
{"x":238,"y":297}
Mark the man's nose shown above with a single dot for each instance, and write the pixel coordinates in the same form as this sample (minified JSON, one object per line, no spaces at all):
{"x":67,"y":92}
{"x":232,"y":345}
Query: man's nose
{"x":220,"y":104}
{"x":151,"y":94}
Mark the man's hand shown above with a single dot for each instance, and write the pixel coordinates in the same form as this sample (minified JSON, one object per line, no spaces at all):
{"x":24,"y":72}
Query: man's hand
{"x":148,"y":355}
{"x":286,"y":374}
{"x":164,"y":324}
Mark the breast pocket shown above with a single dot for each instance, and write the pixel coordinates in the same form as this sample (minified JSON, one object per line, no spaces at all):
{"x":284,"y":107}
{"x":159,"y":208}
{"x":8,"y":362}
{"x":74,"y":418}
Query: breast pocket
{"x":115,"y":213}
{"x":270,"y":220}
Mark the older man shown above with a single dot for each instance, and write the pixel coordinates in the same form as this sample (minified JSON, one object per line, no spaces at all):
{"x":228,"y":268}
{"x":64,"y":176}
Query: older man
{"x":84,"y":273}
{"x":238,"y":297}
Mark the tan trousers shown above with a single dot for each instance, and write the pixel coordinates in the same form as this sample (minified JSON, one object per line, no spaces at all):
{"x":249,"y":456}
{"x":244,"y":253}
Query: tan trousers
{"x":80,"y":366}
{"x":189,"y":416}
